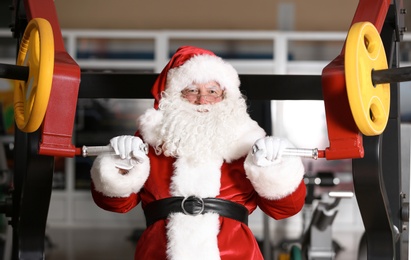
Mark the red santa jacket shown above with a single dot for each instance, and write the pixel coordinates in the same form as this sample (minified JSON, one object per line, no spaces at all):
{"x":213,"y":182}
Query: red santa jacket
{"x":233,"y":239}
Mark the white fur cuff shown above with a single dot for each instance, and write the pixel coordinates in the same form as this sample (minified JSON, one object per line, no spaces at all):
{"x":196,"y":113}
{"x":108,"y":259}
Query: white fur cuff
{"x":275,"y":181}
{"x":107,"y":179}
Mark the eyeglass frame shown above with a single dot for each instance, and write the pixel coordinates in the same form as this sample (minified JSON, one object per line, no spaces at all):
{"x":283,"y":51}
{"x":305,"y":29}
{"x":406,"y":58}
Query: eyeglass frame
{"x":198,"y":95}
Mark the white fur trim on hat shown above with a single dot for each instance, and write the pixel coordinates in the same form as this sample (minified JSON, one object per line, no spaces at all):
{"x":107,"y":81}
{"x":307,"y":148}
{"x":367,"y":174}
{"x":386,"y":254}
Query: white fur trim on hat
{"x":107,"y":179}
{"x":277,"y":180}
{"x":203,"y":69}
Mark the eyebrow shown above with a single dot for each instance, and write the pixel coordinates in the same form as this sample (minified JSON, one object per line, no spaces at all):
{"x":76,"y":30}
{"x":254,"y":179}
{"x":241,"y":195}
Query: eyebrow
{"x":190,"y":87}
{"x":216,"y":85}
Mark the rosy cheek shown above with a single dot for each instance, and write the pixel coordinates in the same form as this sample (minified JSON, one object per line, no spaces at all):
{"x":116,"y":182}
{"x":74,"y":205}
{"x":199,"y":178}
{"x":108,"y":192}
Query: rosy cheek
{"x":189,"y":100}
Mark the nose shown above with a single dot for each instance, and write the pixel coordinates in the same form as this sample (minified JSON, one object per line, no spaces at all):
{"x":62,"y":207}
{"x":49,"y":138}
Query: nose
{"x":201,"y":100}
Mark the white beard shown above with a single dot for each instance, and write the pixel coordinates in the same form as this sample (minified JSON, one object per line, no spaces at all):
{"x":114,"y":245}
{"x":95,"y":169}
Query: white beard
{"x":199,"y":132}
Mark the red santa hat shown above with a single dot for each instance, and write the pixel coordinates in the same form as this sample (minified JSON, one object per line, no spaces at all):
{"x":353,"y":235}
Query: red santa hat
{"x":192,"y":64}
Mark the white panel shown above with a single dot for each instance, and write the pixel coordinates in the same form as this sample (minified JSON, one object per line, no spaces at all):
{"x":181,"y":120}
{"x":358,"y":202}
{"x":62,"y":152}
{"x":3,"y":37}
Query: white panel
{"x":86,"y":211}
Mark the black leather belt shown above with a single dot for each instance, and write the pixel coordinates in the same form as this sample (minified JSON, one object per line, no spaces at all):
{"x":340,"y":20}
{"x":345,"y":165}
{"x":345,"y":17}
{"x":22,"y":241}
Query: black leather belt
{"x":160,"y":209}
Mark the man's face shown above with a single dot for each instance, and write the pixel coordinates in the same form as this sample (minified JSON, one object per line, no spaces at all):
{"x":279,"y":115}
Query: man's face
{"x":203,"y":94}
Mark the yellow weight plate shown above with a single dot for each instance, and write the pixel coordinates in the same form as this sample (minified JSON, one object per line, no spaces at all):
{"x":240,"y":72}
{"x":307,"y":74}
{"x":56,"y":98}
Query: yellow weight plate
{"x":32,"y":96}
{"x":364,"y":52}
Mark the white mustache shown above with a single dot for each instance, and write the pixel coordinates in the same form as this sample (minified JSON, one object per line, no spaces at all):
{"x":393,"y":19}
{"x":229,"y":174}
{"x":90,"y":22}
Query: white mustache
{"x":203,"y":109}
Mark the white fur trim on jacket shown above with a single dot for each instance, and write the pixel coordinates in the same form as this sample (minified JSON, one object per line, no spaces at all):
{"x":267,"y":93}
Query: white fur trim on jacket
{"x":193,"y":237}
{"x":107,"y":179}
{"x":277,"y":180}
{"x":191,"y":179}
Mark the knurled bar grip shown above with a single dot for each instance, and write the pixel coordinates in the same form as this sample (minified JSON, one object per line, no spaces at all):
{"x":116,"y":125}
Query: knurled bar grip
{"x":301,"y":152}
{"x":97,"y":150}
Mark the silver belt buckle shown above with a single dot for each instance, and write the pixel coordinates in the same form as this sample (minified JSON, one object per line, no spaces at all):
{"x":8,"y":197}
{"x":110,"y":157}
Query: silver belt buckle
{"x":193,"y":213}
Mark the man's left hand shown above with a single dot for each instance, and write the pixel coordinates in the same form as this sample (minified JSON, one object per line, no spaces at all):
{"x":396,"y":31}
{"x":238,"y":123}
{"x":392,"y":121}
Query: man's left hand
{"x":268,"y":150}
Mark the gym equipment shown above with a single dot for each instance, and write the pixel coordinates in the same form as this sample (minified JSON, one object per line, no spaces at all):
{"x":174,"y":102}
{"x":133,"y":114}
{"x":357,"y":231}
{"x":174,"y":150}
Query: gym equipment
{"x":365,"y":54}
{"x":29,"y":200}
{"x":316,"y":238}
{"x":34,"y":164}
{"x":376,"y":171}
{"x":317,"y":242}
{"x":366,"y":73}
{"x":31,"y":96}
{"x":367,"y":77}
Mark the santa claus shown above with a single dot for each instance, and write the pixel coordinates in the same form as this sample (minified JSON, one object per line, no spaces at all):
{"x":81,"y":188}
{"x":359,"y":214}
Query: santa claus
{"x":207,"y":167}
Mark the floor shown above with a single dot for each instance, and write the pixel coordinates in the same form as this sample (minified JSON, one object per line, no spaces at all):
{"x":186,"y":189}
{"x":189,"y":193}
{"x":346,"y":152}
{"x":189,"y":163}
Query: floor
{"x":83,"y":243}
{"x":114,"y":244}
{"x":118,"y":244}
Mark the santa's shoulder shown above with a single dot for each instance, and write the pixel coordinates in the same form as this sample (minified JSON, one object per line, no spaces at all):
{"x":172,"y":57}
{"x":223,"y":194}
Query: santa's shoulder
{"x":248,"y":134}
{"x":148,"y":123}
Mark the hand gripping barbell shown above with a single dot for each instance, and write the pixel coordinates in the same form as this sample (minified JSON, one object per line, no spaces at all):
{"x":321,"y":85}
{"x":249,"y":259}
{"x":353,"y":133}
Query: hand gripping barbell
{"x":33,"y":74}
{"x":86,"y":151}
{"x":97,"y":150}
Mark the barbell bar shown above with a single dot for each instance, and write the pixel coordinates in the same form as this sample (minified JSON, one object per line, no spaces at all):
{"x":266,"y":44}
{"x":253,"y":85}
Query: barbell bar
{"x":87,"y":151}
{"x":391,"y":75}
{"x":14,"y":72}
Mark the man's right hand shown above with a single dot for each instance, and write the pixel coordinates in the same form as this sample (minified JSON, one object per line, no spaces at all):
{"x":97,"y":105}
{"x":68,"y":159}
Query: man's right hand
{"x":130,"y":148}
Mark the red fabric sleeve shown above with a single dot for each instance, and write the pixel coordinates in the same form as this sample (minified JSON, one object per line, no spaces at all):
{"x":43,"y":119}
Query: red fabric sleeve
{"x":114,"y":204}
{"x":285,"y":207}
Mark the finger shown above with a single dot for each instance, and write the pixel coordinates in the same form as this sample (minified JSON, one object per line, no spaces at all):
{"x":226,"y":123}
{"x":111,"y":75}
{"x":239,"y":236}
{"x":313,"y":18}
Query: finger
{"x":138,"y":155}
{"x":128,"y":146}
{"x":144,"y":148}
{"x":276,"y":147}
{"x":257,"y":156}
{"x":114,"y":145}
{"x":125,"y":165}
{"x":269,"y":148}
{"x":136,"y":143}
{"x":260,"y":144}
{"x":260,"y":158}
{"x":121,"y":147}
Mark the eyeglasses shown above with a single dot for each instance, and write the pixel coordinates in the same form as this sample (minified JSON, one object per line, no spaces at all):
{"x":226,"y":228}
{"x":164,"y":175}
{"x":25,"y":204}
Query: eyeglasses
{"x":194,"y":94}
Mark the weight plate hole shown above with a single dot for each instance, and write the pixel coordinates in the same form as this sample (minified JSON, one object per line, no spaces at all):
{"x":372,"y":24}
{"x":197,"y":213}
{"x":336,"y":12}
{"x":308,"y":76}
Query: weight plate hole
{"x":368,"y":45}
